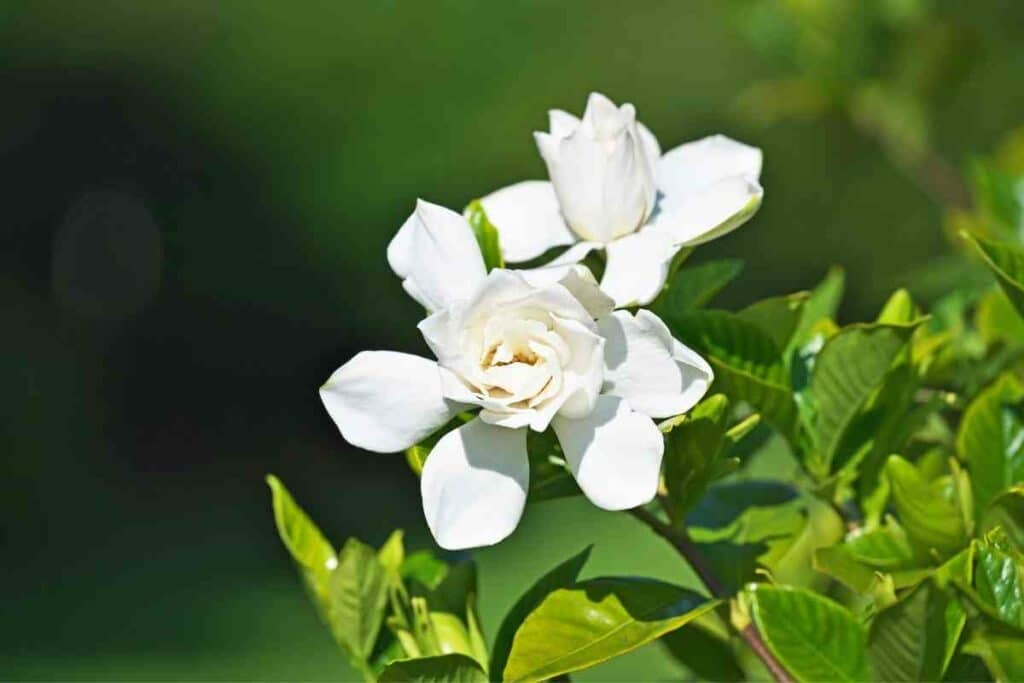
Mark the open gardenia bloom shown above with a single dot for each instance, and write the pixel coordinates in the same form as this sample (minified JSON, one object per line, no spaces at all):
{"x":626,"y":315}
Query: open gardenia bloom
{"x":531,"y":350}
{"x":611,"y":188}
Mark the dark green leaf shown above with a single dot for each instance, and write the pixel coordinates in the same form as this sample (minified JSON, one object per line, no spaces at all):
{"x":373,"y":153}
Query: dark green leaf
{"x":814,"y":638}
{"x":914,"y":639}
{"x":694,"y":286}
{"x":823,"y":303}
{"x":748,"y":364}
{"x":777,"y":315}
{"x":850,"y":367}
{"x":486,"y":235}
{"x":450,"y":668}
{"x":693,"y":448}
{"x":707,"y":654}
{"x":549,"y":478}
{"x":991,"y":439}
{"x":593,"y":621}
{"x":999,"y":581}
{"x":562,"y":576}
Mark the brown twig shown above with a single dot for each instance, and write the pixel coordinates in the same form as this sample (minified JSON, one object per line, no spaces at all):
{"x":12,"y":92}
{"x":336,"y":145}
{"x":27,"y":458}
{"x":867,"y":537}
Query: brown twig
{"x":684,"y":545}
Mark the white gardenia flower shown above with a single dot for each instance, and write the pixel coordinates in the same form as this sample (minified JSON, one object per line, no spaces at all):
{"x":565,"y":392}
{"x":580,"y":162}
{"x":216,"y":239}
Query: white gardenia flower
{"x":530,"y":350}
{"x":611,"y":188}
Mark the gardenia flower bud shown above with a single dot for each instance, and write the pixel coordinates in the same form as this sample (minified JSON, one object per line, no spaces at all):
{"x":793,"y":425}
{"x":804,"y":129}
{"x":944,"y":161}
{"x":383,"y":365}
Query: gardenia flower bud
{"x":611,"y":188}
{"x":531,"y":350}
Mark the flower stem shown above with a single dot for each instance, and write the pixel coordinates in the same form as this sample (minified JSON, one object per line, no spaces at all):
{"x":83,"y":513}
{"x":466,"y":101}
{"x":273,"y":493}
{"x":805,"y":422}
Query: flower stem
{"x":684,"y":545}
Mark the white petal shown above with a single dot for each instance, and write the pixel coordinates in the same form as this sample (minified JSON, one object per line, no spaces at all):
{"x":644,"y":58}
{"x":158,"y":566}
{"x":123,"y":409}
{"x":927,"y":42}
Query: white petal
{"x":614,"y":453}
{"x":650,"y":142}
{"x":658,"y":375}
{"x":528,"y":219}
{"x":562,"y":123}
{"x":584,"y":374}
{"x":578,"y":280}
{"x":474,"y":485}
{"x":386,"y":401}
{"x":709,"y":213}
{"x":637,"y":267}
{"x":696,"y":165}
{"x":437,"y":256}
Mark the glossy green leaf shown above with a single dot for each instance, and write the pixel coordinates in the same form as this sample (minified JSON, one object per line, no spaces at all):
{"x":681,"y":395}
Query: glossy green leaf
{"x":449,"y":668}
{"x":1006,"y":261}
{"x":814,"y":638}
{"x":928,"y":510}
{"x":747,"y":362}
{"x":706,"y":652}
{"x":593,"y":621}
{"x":915,"y":639}
{"x":999,"y":582}
{"x":777,"y":315}
{"x":358,"y":591}
{"x":991,"y":439}
{"x":562,"y":576}
{"x":694,"y":286}
{"x":693,"y":450}
{"x":486,"y":235}
{"x":1003,"y":655}
{"x":850,"y":367}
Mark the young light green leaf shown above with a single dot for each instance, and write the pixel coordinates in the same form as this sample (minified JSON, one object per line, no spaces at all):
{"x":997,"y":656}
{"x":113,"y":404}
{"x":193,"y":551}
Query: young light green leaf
{"x":850,"y":367}
{"x":694,"y":286}
{"x":593,"y":621}
{"x":1006,"y":512}
{"x":899,"y":309}
{"x":814,"y":638}
{"x":392,"y":554}
{"x":486,"y":235}
{"x":562,"y":576}
{"x":300,"y":535}
{"x":693,"y":448}
{"x":358,"y":591}
{"x":928,"y":510}
{"x":915,"y":639}
{"x":747,"y":362}
{"x":1006,"y":261}
{"x":449,"y":668}
{"x":991,"y":439}
{"x":885,"y":547}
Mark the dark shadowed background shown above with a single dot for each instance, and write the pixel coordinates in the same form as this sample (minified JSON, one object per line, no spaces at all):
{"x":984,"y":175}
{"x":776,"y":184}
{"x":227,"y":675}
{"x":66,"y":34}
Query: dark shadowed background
{"x":196,"y":199}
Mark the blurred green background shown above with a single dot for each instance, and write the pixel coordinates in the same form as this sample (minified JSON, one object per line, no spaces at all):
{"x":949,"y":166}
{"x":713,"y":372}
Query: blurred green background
{"x":196,"y":202}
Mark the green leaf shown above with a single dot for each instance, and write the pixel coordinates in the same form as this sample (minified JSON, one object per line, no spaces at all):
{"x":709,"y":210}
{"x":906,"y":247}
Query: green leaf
{"x":593,"y":621}
{"x":392,"y":554}
{"x":747,"y":362}
{"x":450,"y":668}
{"x":850,"y":367}
{"x":991,"y":439}
{"x":915,"y":639}
{"x":1003,"y":655}
{"x":706,"y":653}
{"x":885,"y":547}
{"x":358,"y":591}
{"x":814,"y":638}
{"x":693,"y":449}
{"x":928,"y":510}
{"x":486,"y":235}
{"x":777,"y":315}
{"x":899,"y":309}
{"x":1006,"y":261}
{"x":694,"y":286}
{"x":562,"y":576}
{"x":823,"y":303}
{"x":999,"y":581}
{"x":424,"y":567}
